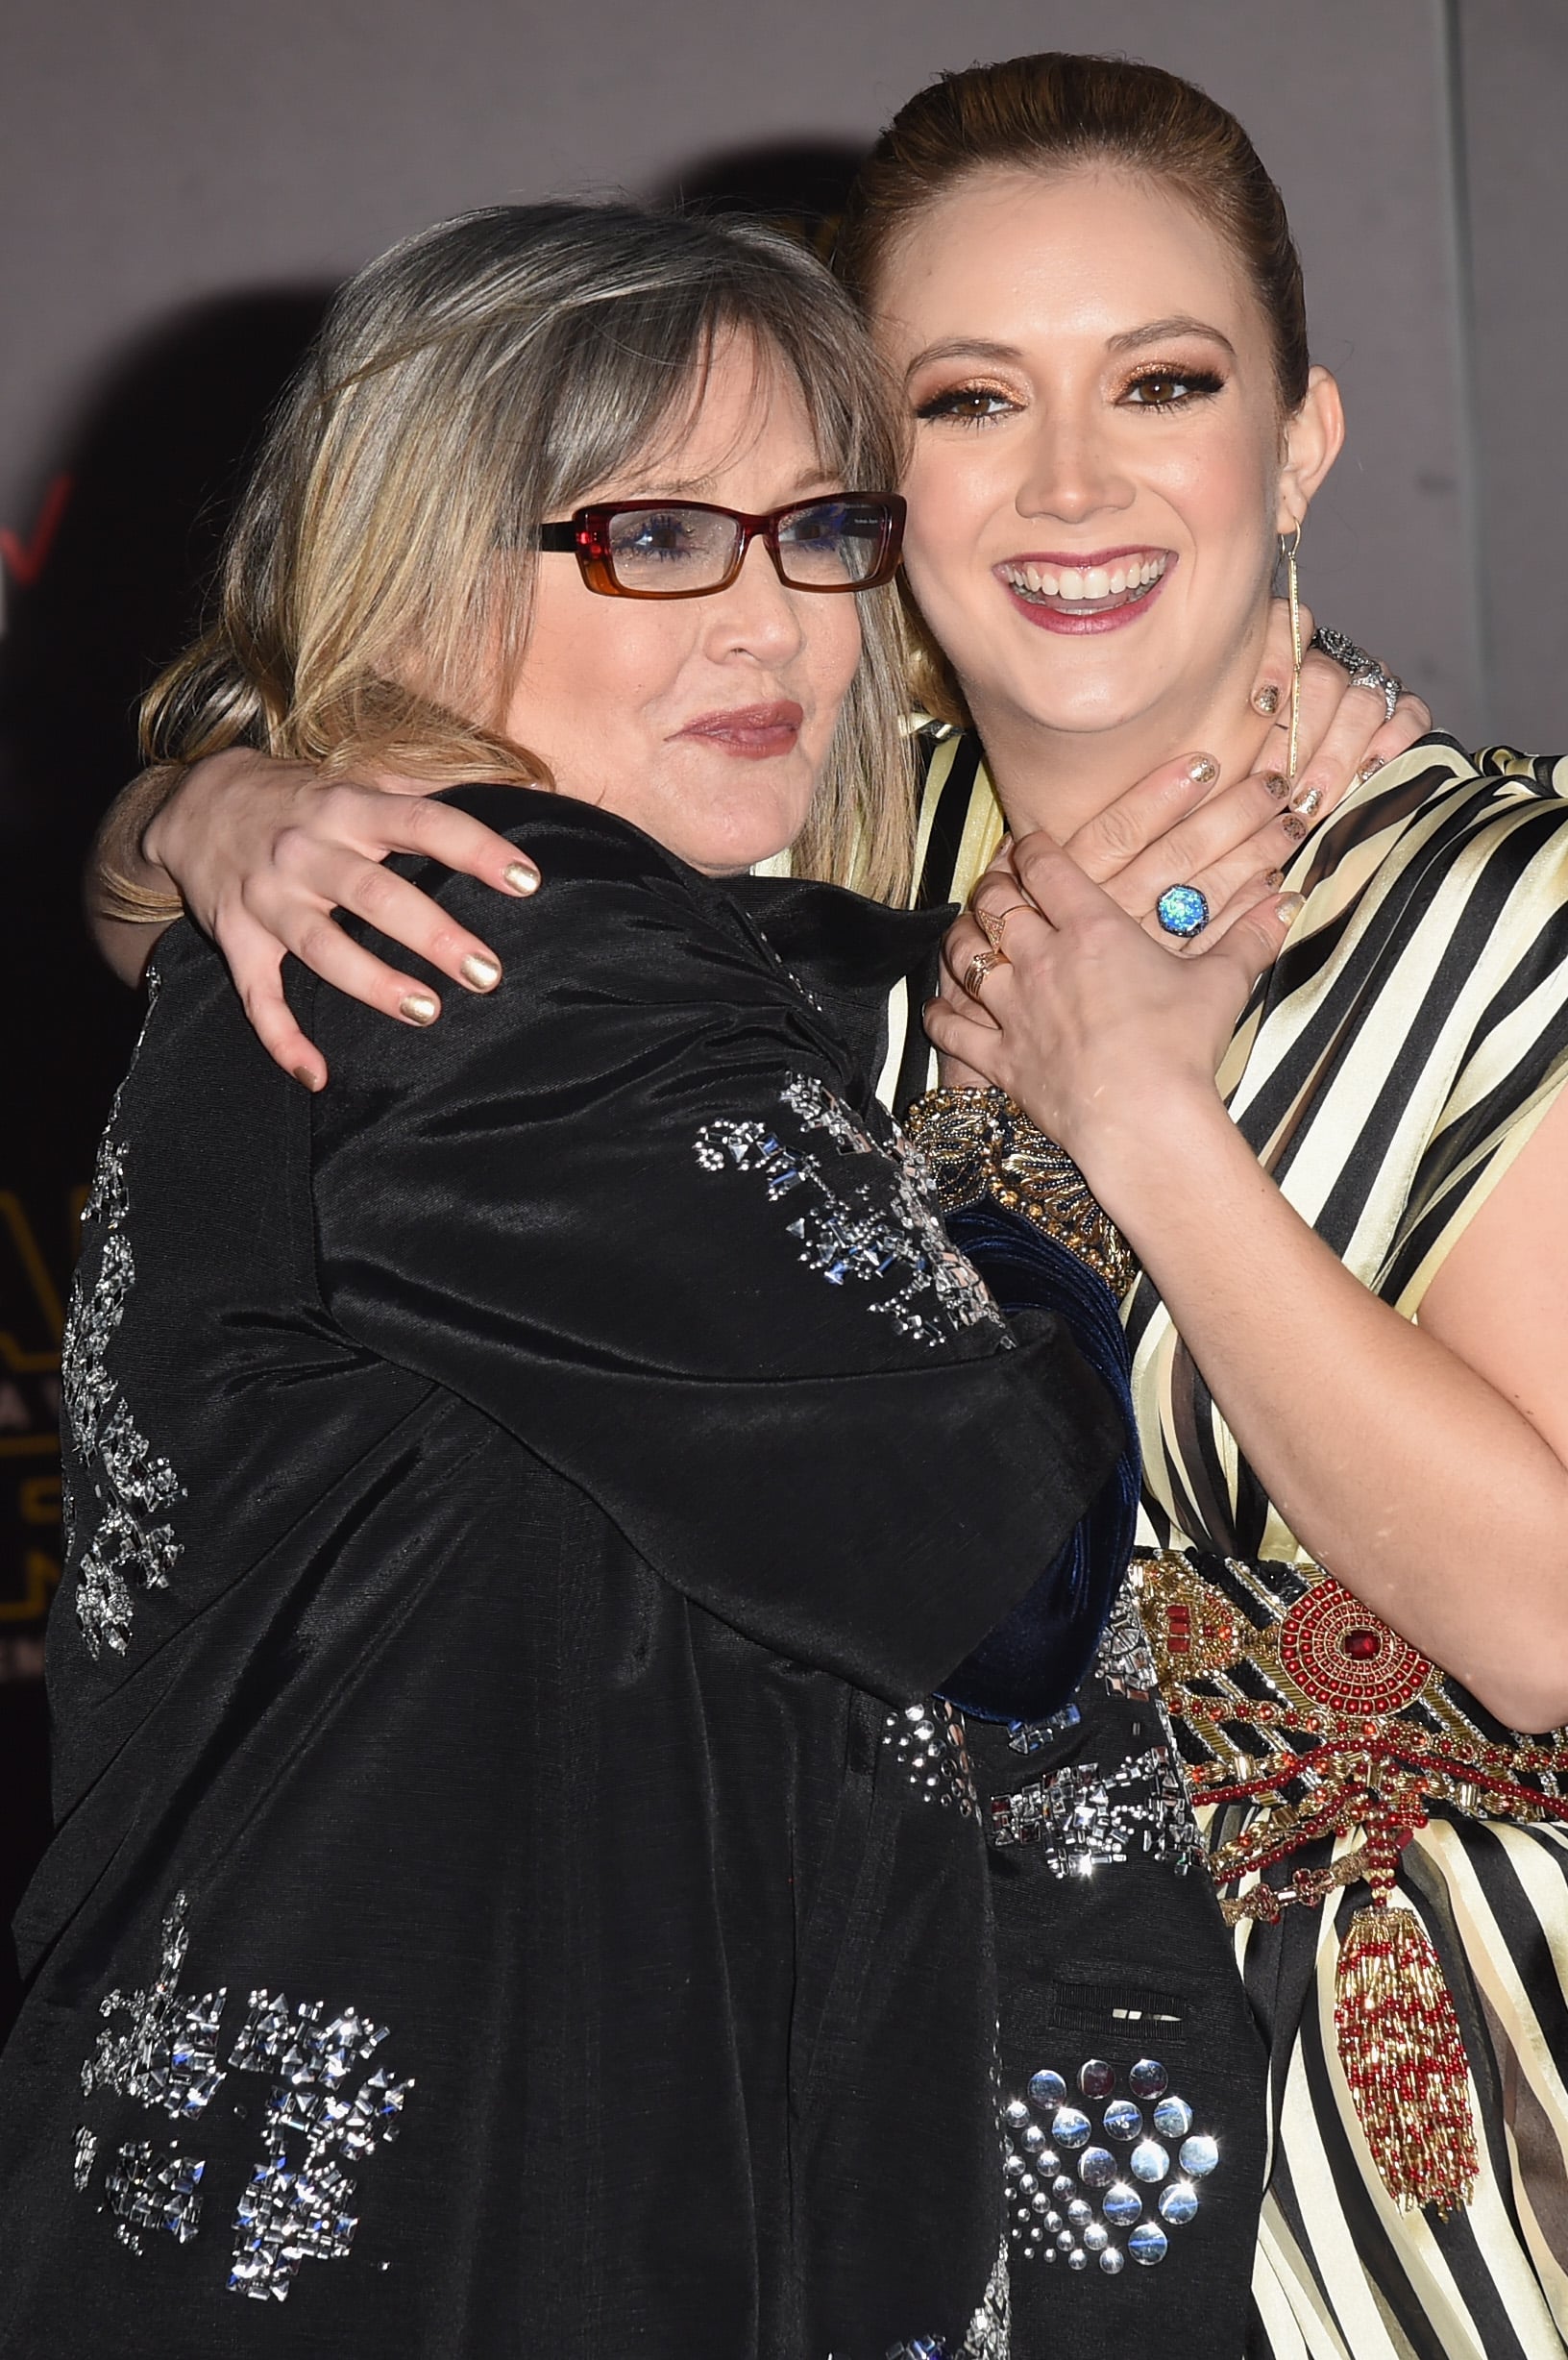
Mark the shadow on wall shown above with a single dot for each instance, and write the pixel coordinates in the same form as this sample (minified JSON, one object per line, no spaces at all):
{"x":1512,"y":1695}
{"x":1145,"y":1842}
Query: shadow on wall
{"x":104,"y":583}
{"x":799,"y":185}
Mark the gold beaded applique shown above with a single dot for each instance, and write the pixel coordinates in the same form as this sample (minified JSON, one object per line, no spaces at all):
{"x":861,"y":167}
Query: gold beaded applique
{"x":982,"y":1146}
{"x":1290,"y":1697}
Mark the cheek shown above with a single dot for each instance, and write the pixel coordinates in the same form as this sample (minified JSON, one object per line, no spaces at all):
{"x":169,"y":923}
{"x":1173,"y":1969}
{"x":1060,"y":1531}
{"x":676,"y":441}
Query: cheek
{"x":833,"y":652}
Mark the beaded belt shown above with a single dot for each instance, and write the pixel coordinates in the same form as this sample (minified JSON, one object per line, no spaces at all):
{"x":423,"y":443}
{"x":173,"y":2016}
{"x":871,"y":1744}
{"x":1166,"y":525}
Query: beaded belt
{"x":1287,"y":1695}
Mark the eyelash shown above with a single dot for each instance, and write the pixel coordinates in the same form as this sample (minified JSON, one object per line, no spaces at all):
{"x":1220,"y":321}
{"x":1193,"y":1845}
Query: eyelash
{"x":1200,"y":383}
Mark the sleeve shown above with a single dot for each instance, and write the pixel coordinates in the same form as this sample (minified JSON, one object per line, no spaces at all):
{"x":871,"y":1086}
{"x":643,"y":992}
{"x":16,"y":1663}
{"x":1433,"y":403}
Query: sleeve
{"x":625,"y":1206}
{"x":1035,"y":1658}
{"x":1499,"y":906}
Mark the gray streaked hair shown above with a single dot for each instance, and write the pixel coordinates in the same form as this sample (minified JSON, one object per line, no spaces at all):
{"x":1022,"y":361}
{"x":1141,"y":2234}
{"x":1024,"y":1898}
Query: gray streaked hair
{"x":478,"y":378}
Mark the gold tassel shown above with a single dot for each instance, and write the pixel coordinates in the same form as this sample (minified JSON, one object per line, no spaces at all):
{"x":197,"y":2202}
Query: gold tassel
{"x":1404,"y":2058}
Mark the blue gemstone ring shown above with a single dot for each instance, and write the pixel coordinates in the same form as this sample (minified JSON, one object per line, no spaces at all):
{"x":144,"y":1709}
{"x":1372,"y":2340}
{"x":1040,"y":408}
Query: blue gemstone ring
{"x":1182,"y":911}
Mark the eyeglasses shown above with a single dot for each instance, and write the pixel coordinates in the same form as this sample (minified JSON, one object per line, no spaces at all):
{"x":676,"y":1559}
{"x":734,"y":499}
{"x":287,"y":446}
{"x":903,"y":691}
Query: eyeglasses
{"x":685,"y":548}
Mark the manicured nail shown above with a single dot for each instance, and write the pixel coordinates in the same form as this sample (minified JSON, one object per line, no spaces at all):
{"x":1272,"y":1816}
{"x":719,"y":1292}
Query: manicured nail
{"x":1307,"y":801}
{"x":1290,"y":908}
{"x":480,"y":975}
{"x":419,"y":1008}
{"x":1203,"y":770}
{"x":1275,"y":781}
{"x":1274,"y":879}
{"x":521,"y":877}
{"x":1293,"y":827}
{"x":1370,"y":768}
{"x":306,"y":1078}
{"x":1266,"y":700}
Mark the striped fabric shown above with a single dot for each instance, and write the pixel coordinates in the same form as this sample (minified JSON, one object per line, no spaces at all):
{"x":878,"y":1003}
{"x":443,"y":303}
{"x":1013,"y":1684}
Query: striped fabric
{"x":1408,"y":1042}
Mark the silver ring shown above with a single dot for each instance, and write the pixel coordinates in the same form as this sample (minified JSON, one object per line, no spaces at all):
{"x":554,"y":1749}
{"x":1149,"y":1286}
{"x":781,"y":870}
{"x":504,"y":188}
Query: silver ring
{"x":1365,"y":670}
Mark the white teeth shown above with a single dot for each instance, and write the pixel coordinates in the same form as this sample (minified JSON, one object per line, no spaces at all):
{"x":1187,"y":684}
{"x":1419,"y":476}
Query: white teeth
{"x":1086,"y":584}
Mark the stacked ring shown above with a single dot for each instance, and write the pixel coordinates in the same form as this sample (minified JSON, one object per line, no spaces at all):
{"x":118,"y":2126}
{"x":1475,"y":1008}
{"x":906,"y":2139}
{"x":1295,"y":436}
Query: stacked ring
{"x":993,"y":924}
{"x":983,"y":964}
{"x":1182,"y":910}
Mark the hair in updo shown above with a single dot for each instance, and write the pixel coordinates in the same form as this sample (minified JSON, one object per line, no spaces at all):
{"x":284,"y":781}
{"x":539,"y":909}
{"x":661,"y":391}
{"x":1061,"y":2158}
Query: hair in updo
{"x":1052,"y":112}
{"x":1049,"y":113}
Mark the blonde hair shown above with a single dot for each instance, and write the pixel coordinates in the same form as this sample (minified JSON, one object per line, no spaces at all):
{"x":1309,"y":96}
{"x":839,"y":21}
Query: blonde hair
{"x":482,"y":377}
{"x":1051,"y":111}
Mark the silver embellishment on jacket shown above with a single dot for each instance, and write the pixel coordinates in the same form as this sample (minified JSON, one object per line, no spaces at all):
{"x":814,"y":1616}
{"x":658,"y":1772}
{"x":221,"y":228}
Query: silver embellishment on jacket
{"x":1125,"y":1660}
{"x":153,"y":2191}
{"x":298,"y":2205}
{"x":1083,"y":1818}
{"x":166,"y":2052}
{"x":130,"y":1489}
{"x":928,"y":1740}
{"x":1068,"y":2197}
{"x":843,"y":1231}
{"x":298,"y":2209}
{"x":990,"y":2335}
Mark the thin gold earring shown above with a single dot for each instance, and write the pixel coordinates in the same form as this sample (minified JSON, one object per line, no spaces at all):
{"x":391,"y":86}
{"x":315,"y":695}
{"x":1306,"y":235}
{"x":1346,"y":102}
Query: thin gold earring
{"x":1288,"y":551}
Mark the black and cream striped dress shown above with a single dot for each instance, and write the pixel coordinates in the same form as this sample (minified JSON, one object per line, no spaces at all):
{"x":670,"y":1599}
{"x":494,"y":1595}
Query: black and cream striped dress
{"x":1407,"y":1044}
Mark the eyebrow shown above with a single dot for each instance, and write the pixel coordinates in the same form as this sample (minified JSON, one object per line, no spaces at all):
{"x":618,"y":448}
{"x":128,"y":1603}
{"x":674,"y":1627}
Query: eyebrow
{"x":1179,"y":324}
{"x":979,"y":348}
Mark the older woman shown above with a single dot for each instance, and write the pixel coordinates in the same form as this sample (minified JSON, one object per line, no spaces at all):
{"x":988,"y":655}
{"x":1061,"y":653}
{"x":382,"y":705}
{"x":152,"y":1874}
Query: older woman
{"x":513,"y":1892}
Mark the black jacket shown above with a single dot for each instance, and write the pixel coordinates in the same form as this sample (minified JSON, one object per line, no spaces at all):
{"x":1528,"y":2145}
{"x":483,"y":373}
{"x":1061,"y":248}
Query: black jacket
{"x":509,"y":1900}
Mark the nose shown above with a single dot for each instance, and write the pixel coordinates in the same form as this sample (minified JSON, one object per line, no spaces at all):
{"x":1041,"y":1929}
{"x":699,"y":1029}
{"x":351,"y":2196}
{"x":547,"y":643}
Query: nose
{"x":758,"y":615}
{"x":1073,"y":469}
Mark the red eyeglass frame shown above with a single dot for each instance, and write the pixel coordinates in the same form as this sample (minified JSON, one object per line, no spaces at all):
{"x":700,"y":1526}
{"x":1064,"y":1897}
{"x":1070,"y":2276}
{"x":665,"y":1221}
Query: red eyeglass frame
{"x":585,"y":536}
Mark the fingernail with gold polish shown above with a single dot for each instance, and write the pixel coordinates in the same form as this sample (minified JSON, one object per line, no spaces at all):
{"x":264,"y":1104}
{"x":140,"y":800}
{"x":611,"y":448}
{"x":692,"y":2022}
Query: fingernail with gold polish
{"x":1275,"y":781}
{"x":306,"y":1078}
{"x":1293,"y":827}
{"x":1307,"y":801}
{"x":521,"y":877}
{"x":1370,"y":768}
{"x":1266,"y":700}
{"x":1203,"y":770}
{"x":419,"y":1008}
{"x":1290,"y":908}
{"x":1274,"y":879}
{"x":480,"y":975}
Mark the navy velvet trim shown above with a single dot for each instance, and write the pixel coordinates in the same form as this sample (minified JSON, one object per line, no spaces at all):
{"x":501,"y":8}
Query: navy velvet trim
{"x":1032,"y":1661}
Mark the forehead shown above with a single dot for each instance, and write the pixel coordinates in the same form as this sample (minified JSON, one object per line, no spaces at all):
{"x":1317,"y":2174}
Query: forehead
{"x":1089,"y":251}
{"x":742,"y":402}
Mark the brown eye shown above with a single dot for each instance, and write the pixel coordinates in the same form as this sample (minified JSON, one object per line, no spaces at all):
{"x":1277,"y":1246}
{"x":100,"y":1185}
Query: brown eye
{"x":970,"y":405}
{"x":1168,"y":389}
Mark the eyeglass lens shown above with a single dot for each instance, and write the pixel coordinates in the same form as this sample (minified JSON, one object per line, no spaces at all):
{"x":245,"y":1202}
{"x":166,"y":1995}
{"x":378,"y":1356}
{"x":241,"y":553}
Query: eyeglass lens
{"x":826,"y":544}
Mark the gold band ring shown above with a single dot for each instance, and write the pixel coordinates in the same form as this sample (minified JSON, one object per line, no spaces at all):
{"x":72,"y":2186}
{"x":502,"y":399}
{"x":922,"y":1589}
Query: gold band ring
{"x":983,"y":964}
{"x":993,"y":924}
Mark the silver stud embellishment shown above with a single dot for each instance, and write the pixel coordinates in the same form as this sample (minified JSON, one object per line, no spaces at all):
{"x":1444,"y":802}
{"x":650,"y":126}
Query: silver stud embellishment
{"x":928,"y":1739}
{"x":1113,"y":2210}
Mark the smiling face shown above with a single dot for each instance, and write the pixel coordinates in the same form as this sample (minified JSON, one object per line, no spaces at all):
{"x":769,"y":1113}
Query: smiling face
{"x":706,"y":720}
{"x":1097,"y":476}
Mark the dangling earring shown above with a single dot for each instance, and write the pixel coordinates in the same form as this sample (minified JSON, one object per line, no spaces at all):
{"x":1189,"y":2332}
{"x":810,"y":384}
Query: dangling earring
{"x":1292,"y":590}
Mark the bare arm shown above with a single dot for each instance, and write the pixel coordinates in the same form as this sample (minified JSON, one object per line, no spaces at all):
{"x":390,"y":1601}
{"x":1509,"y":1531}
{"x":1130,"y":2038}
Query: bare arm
{"x":1424,"y":1464}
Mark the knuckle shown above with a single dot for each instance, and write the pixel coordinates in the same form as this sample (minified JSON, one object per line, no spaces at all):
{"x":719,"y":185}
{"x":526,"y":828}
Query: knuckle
{"x":1116,"y":834}
{"x":317,"y":940}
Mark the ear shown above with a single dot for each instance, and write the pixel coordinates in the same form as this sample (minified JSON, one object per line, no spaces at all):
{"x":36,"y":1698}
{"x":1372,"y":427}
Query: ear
{"x":1313,"y":438}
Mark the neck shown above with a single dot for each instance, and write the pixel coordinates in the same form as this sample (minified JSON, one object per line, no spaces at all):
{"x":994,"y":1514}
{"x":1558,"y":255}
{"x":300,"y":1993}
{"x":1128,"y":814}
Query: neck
{"x":1060,"y":780}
